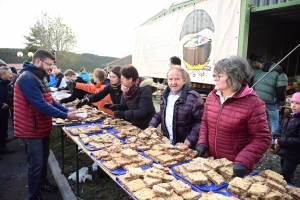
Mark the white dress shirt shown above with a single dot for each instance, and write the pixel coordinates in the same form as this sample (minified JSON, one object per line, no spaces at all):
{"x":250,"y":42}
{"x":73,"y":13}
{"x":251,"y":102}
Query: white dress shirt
{"x":172,"y":98}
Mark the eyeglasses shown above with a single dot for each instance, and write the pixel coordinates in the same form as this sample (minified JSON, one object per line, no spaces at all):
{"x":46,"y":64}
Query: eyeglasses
{"x":217,"y":76}
{"x":51,"y":65}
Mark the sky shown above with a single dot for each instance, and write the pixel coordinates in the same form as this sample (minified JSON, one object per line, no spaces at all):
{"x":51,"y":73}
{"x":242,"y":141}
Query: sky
{"x":101,"y":27}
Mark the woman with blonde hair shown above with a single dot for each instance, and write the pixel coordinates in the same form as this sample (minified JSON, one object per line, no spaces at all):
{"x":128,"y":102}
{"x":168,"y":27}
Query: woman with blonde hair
{"x":99,"y":78}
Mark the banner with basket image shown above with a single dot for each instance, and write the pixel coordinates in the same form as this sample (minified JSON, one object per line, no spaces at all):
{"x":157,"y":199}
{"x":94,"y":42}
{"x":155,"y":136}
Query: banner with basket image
{"x":199,"y":35}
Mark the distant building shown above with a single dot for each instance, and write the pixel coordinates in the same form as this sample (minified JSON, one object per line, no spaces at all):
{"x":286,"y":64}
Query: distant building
{"x":119,"y":62}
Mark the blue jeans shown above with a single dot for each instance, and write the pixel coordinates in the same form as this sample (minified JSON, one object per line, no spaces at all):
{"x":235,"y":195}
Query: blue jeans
{"x":273,"y":117}
{"x":37,"y":151}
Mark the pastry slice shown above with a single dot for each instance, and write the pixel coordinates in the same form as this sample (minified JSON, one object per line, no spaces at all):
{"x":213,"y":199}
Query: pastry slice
{"x":191,"y":195}
{"x":216,"y":178}
{"x":180,"y":187}
{"x":144,"y":194}
{"x":161,"y":191}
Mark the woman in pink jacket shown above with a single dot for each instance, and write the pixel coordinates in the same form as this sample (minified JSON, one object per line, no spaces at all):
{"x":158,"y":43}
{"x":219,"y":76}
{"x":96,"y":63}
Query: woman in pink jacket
{"x":234,"y":123}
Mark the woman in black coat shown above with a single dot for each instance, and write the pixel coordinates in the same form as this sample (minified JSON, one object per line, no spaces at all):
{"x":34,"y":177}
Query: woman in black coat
{"x":136,"y":104}
{"x":287,"y":136}
{"x":113,"y":89}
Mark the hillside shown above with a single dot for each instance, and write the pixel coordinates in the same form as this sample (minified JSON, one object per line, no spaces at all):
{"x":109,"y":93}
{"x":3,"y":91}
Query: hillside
{"x":89,"y":61}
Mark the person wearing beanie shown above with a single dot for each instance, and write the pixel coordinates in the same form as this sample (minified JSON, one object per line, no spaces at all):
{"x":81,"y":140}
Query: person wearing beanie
{"x":287,"y":137}
{"x":2,"y":63}
{"x":114,"y":89}
{"x":5,"y":75}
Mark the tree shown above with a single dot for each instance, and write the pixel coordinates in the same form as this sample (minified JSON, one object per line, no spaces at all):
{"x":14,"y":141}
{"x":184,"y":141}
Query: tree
{"x":50,"y":33}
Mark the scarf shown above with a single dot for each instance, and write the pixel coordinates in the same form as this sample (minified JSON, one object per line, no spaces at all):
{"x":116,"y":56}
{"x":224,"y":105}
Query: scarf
{"x":129,"y":92}
{"x":38,"y":72}
{"x":116,"y":87}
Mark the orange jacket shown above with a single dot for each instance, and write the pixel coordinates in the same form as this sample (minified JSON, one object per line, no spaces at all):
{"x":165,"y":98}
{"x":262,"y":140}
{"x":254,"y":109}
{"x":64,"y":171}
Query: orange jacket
{"x":91,"y":88}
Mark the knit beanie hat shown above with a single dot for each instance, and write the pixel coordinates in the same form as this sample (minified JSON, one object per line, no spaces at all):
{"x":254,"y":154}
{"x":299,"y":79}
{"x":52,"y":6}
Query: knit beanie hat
{"x":116,"y":71}
{"x":296,"y":97}
{"x":2,"y":62}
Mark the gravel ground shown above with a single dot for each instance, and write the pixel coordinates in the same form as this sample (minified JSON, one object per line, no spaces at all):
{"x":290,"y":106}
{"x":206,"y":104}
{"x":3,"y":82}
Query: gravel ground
{"x":272,"y":161}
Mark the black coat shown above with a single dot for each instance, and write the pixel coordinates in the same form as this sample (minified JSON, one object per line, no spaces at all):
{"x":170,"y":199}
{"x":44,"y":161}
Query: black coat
{"x":289,"y":142}
{"x":76,"y":93}
{"x":58,"y":79}
{"x":115,"y":95}
{"x":139,"y":109}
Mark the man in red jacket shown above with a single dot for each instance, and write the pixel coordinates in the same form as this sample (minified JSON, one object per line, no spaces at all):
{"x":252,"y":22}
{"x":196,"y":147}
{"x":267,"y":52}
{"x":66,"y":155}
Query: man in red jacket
{"x":34,"y":108}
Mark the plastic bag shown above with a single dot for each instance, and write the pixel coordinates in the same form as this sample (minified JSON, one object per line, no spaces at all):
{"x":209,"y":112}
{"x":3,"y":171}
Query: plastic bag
{"x":83,"y":175}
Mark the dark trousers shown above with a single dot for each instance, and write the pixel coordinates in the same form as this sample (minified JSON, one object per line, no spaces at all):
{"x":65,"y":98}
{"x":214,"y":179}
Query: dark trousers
{"x":287,"y":170}
{"x":37,"y":151}
{"x":3,"y":130}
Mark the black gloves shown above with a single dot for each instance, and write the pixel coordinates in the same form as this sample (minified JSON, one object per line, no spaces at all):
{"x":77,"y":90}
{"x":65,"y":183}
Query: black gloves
{"x":107,"y":105}
{"x":113,"y":107}
{"x":276,"y":136}
{"x":201,"y":150}
{"x":71,"y":85}
{"x":239,"y":170}
{"x":119,"y":114}
{"x":82,"y":102}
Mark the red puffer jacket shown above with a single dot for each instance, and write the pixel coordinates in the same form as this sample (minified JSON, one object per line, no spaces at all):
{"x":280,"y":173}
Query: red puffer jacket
{"x":237,"y":129}
{"x":28,"y":121}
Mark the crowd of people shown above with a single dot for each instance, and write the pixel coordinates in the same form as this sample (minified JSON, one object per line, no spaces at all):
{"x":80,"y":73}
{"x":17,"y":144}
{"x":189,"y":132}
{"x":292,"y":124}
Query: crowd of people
{"x":237,"y":121}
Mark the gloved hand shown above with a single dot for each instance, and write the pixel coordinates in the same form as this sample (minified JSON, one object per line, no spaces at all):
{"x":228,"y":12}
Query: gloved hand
{"x":239,"y":170}
{"x":82,"y":102}
{"x":119,"y":114}
{"x":107,"y":105}
{"x":113,"y":107}
{"x":201,"y":150}
{"x":71,"y":85}
{"x":276,"y":136}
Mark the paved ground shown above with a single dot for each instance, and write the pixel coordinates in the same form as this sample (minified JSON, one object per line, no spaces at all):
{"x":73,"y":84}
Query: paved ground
{"x":13,"y":174}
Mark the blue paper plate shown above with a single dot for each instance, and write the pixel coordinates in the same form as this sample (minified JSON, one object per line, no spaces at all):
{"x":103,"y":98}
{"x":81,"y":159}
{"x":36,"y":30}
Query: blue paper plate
{"x":224,"y":193}
{"x":205,"y":187}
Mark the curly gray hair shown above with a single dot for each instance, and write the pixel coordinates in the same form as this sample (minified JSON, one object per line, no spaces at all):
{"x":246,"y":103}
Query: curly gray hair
{"x":238,"y":70}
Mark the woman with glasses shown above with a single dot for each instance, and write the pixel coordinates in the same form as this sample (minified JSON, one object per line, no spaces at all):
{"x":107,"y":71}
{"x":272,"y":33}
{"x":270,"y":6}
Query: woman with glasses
{"x":234,"y":123}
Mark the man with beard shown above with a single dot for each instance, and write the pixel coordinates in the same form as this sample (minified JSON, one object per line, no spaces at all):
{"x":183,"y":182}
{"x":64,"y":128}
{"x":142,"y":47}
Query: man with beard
{"x":34,"y":108}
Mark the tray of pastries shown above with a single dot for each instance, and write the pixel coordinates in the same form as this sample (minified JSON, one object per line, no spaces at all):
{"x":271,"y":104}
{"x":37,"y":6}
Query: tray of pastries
{"x":207,"y":174}
{"x":118,"y":158}
{"x":93,"y":142}
{"x":83,"y":129}
{"x":267,"y":185}
{"x":109,"y":123}
{"x":169,"y":155}
{"x":144,"y":139}
{"x":155,"y":183}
